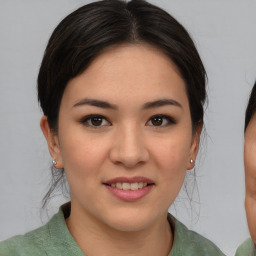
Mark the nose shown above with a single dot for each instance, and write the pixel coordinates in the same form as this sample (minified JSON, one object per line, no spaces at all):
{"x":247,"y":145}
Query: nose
{"x":129,"y":148}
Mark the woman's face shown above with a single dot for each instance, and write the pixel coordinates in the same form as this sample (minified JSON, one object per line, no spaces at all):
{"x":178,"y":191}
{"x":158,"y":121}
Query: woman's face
{"x":125,"y":137}
{"x":250,"y":173}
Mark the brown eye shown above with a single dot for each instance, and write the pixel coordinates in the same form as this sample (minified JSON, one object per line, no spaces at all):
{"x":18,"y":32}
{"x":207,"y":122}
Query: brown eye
{"x":95,"y":121}
{"x":161,"y":121}
{"x":157,"y":121}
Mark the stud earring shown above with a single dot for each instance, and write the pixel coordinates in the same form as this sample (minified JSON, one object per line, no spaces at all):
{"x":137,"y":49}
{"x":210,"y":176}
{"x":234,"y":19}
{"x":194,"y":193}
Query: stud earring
{"x":191,"y":161}
{"x":54,"y":162}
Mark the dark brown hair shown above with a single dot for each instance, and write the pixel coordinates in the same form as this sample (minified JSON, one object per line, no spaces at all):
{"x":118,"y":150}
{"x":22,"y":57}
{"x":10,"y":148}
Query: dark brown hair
{"x":251,"y":107}
{"x":86,"y":32}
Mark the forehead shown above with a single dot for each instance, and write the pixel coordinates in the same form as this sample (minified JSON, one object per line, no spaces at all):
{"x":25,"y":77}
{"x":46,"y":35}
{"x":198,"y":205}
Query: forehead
{"x":133,"y":72}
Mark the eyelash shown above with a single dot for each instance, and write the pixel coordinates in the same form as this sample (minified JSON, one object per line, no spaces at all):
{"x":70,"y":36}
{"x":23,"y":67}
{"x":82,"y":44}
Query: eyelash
{"x":85,"y":121}
{"x":170,"y":120}
{"x":88,"y":119}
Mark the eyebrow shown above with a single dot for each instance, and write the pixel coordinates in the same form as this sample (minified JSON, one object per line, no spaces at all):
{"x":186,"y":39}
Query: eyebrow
{"x":160,"y":103}
{"x":95,"y":103}
{"x":107,"y":105}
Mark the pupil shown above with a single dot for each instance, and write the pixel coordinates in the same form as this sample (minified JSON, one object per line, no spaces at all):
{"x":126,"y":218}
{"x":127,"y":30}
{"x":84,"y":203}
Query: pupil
{"x":157,"y":121}
{"x":96,"y":121}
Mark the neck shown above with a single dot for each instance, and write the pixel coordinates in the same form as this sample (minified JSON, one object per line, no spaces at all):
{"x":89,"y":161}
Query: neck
{"x":153,"y":240}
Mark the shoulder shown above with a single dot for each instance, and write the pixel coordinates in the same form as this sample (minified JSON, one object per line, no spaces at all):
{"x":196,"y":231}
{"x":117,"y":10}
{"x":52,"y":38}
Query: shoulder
{"x":52,"y":239}
{"x":35,"y":242}
{"x":247,"y":248}
{"x":32,"y":243}
{"x":188,"y":242}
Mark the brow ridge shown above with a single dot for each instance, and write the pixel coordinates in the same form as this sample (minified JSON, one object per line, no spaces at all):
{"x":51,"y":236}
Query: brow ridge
{"x":161,"y":102}
{"x":95,"y":103}
{"x":107,"y":105}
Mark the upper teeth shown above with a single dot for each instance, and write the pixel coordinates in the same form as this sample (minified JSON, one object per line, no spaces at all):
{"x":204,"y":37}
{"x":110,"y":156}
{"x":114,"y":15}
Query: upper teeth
{"x":129,"y":186}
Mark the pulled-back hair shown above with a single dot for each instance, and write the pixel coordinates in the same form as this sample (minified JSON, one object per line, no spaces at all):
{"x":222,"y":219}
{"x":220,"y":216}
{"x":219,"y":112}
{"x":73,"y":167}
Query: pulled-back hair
{"x":251,"y":107}
{"x":85,"y":33}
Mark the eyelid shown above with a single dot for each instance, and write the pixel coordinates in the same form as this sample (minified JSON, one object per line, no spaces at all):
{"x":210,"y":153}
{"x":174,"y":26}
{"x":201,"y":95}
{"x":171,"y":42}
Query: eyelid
{"x":84,"y":121}
{"x":170,"y":120}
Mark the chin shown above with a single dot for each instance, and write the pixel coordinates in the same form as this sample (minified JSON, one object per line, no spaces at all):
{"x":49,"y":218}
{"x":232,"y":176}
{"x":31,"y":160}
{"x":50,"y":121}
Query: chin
{"x":129,"y":226}
{"x":131,"y":221}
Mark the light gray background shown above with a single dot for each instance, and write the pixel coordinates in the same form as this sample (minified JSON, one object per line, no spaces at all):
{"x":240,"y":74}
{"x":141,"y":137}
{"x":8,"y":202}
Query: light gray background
{"x":225,"y":34}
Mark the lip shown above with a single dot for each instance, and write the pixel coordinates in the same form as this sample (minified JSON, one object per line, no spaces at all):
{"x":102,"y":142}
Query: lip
{"x":129,"y":195}
{"x":129,"y":180}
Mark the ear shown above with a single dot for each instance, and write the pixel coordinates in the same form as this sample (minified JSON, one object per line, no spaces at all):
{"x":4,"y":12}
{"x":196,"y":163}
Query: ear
{"x":194,"y":146}
{"x":52,"y":141}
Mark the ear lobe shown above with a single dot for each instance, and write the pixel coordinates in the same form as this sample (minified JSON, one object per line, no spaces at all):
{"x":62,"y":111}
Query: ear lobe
{"x":52,"y":141}
{"x":194,"y":146}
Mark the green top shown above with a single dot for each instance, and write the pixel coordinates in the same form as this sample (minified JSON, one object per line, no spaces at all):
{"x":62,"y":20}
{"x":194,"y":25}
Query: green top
{"x":54,"y":239}
{"x":246,"y":249}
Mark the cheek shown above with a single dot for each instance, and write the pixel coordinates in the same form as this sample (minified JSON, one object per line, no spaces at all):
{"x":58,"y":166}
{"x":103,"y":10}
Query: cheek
{"x":82,"y":155}
{"x":250,"y":157}
{"x":172,"y":155}
{"x":250,"y":166}
{"x":171,"y":158}
{"x":250,"y":149}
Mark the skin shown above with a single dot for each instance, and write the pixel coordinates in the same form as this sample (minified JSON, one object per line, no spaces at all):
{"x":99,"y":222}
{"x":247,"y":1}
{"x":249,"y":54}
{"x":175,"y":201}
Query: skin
{"x":126,"y":144}
{"x":250,"y":176}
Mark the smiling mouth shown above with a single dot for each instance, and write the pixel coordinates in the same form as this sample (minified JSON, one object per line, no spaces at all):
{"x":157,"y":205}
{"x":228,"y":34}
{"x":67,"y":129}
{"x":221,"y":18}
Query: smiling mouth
{"x":129,"y":186}
{"x":129,"y":189}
